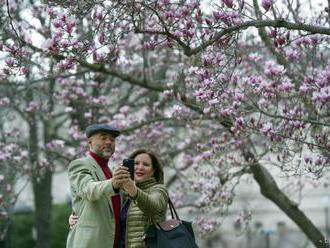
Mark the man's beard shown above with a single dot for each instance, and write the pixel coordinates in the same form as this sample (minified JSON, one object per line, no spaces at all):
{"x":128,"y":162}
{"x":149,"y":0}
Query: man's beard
{"x":107,"y":153}
{"x":104,"y":153}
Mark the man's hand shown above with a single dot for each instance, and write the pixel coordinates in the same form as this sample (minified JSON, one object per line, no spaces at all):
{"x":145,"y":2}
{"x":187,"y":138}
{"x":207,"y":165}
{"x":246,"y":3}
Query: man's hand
{"x":120,"y":176}
{"x":73,"y":219}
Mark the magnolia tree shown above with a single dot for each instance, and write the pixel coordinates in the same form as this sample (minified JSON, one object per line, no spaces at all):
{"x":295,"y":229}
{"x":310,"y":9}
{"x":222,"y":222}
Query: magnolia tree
{"x":227,"y":88}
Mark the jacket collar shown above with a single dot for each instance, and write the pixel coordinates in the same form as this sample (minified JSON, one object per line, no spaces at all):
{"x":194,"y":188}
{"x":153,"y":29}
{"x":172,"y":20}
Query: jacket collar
{"x":147,"y":183}
{"x":97,"y":169}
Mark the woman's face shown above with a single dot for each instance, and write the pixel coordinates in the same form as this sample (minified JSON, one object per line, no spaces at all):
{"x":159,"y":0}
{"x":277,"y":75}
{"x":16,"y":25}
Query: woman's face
{"x":143,"y":167}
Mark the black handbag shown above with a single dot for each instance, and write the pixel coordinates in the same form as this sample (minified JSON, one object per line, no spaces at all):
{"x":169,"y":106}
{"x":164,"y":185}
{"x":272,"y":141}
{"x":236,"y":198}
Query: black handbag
{"x":173,"y":233}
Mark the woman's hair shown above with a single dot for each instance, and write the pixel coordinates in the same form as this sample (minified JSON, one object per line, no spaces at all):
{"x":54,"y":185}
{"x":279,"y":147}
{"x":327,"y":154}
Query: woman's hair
{"x":156,"y":163}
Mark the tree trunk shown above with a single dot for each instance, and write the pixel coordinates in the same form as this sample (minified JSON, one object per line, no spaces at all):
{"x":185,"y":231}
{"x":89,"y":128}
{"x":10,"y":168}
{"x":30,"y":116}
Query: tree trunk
{"x":43,"y":206}
{"x":270,"y":190}
{"x":41,"y":183}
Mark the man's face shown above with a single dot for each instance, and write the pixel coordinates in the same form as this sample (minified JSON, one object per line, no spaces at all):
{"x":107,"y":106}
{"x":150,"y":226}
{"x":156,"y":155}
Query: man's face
{"x":103,"y":144}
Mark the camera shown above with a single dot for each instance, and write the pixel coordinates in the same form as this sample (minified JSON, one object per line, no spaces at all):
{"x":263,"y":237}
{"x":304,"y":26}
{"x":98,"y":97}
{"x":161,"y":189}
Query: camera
{"x":129,"y":163}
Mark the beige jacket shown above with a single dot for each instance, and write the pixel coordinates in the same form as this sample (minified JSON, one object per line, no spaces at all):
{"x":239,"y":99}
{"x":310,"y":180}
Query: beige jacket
{"x":91,"y":201}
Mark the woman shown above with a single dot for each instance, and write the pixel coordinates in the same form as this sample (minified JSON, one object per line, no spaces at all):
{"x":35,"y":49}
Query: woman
{"x":145,"y":199}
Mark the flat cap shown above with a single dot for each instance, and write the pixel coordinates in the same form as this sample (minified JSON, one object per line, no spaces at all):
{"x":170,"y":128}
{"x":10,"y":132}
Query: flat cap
{"x":97,"y":128}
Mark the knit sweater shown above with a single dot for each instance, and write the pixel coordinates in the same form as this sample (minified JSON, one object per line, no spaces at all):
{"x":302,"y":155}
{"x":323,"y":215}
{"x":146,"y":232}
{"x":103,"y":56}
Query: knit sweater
{"x":147,"y":208}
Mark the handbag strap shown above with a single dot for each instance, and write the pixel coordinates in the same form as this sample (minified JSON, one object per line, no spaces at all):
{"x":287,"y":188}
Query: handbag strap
{"x":174,"y":213}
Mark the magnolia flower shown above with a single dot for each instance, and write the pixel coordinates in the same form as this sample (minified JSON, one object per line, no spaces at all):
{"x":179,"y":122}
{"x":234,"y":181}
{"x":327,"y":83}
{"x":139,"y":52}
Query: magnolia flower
{"x":10,"y":62}
{"x":228,"y":3}
{"x":267,"y":128}
{"x":5,"y":101}
{"x":273,"y":69}
{"x":68,"y":109}
{"x":88,"y":115}
{"x":33,"y":106}
{"x":266,"y":4}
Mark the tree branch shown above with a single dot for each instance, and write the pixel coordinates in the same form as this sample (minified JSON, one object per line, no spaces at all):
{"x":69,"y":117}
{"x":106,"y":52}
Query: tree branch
{"x":329,"y":11}
{"x":11,"y":22}
{"x":259,"y":24}
{"x":125,"y":77}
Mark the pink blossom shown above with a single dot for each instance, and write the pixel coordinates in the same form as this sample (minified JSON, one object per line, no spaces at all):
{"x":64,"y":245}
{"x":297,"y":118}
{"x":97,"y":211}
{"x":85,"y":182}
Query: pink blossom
{"x":58,"y":143}
{"x":10,"y":62}
{"x":228,"y":3}
{"x":323,"y":96}
{"x":239,"y":122}
{"x":169,"y":14}
{"x":266,"y":4}
{"x":4,"y":156}
{"x":308,"y":159}
{"x":273,"y":69}
{"x":70,"y":151}
{"x":48,"y":43}
{"x":266,"y":128}
{"x":69,"y":26}
{"x":32,"y":107}
{"x":206,"y":226}
{"x":177,"y":109}
{"x":323,"y":78}
{"x":213,"y":101}
{"x":219,"y":15}
{"x":315,"y":39}
{"x":168,"y":93}
{"x":64,"y":43}
{"x":24,"y":154}
{"x":66,"y":64}
{"x":52,"y":12}
{"x":99,"y":56}
{"x":292,"y":55}
{"x":80,"y":92}
{"x":303,"y":89}
{"x":227,"y":17}
{"x":206,"y":110}
{"x":57,"y":36}
{"x":239,"y":97}
{"x":77,"y":44}
{"x":207,"y":155}
{"x":226,"y":112}
{"x":75,"y":133}
{"x":101,"y":38}
{"x":98,"y":15}
{"x":63,"y":18}
{"x":58,"y":23}
{"x":5,"y":101}
{"x":286,"y":86}
{"x":9,"y":188}
{"x":319,"y":161}
{"x":207,"y":59}
{"x":88,"y":115}
{"x":24,"y":70}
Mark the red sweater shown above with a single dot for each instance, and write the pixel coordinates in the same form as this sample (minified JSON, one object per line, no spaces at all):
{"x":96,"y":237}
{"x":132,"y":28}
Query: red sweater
{"x":103,"y":163}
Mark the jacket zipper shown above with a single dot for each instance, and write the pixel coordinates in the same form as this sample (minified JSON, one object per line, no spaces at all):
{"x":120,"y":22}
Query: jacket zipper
{"x":126,"y":244}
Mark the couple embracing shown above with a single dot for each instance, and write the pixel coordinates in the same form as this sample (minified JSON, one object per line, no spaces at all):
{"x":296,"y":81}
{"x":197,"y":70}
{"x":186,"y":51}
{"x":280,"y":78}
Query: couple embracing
{"x":110,"y":209}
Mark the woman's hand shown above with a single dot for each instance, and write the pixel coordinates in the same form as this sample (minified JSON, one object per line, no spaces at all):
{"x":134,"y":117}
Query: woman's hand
{"x":130,"y":187}
{"x":73,"y":219}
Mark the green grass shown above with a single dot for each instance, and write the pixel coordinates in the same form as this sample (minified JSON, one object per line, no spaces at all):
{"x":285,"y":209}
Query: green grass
{"x":22,"y":229}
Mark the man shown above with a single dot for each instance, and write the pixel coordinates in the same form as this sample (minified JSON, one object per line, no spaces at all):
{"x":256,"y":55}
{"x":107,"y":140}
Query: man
{"x":95,"y":189}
